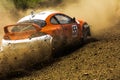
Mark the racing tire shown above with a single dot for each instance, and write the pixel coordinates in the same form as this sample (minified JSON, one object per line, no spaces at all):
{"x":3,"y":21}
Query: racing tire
{"x":86,"y":32}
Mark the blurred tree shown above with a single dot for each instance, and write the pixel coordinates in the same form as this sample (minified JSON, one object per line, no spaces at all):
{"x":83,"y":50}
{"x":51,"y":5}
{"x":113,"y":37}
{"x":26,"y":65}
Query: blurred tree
{"x":25,"y":4}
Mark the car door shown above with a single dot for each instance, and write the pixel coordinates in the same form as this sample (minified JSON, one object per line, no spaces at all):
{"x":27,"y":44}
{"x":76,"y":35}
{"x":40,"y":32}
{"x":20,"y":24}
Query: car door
{"x":70,"y":27}
{"x":57,"y":34}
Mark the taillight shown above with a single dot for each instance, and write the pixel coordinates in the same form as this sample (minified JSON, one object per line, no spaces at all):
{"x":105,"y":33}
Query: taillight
{"x":6,"y":38}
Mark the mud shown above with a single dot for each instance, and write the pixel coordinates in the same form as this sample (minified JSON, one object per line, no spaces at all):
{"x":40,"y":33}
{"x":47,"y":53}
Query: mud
{"x":17,"y":57}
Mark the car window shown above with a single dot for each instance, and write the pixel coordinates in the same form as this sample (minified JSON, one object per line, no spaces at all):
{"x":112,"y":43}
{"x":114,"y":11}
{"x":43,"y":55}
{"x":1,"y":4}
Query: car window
{"x":53,"y":20}
{"x":22,"y":28}
{"x":41,"y":23}
{"x":63,"y":19}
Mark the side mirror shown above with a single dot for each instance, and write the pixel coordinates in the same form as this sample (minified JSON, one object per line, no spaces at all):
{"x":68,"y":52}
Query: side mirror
{"x":73,"y":19}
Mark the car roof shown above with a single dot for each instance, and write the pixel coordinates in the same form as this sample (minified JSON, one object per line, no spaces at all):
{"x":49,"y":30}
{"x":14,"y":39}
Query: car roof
{"x":40,"y":16}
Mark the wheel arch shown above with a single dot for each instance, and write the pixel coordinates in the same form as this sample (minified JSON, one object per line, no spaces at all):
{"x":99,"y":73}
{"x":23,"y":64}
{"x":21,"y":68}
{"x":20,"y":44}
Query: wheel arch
{"x":87,"y":27}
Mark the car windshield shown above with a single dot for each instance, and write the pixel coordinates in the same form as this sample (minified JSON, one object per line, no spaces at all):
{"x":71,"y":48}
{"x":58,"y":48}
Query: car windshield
{"x":22,"y":28}
{"x":41,"y":23}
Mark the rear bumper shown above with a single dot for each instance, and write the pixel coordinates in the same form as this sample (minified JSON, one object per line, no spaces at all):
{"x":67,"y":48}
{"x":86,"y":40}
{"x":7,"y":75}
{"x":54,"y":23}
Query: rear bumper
{"x":41,"y":45}
{"x":41,"y":38}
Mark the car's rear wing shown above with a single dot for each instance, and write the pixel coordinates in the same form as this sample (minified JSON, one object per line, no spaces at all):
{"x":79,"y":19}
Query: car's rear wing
{"x":6,"y":30}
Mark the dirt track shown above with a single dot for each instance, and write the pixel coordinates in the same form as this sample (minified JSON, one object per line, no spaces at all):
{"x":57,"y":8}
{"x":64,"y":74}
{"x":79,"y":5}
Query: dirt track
{"x":98,"y":59}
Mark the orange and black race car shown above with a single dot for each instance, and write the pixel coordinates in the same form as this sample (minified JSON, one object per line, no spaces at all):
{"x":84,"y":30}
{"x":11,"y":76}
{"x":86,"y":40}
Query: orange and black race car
{"x":45,"y":31}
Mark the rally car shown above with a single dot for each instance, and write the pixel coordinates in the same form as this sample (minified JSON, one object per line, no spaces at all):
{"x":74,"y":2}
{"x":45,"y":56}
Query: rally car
{"x":47,"y":31}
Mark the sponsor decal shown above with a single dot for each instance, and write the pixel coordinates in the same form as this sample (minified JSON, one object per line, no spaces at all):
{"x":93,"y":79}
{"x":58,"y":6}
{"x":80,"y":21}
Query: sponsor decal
{"x":74,"y":30}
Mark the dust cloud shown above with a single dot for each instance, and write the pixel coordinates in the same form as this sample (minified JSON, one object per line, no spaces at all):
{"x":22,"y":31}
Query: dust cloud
{"x":100,"y":14}
{"x":18,"y":57}
{"x":8,"y":14}
{"x":5,"y":14}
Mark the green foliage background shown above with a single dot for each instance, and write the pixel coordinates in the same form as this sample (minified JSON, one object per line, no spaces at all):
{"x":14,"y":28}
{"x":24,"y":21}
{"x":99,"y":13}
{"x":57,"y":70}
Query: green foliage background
{"x":25,"y":4}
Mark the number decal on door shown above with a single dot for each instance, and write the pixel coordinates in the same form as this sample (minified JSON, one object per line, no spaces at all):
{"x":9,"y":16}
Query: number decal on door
{"x":74,"y":30}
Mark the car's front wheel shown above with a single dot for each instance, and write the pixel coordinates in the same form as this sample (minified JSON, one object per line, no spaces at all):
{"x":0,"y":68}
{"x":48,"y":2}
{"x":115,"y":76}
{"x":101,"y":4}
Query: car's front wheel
{"x":86,"y":32}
